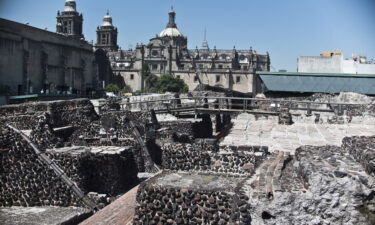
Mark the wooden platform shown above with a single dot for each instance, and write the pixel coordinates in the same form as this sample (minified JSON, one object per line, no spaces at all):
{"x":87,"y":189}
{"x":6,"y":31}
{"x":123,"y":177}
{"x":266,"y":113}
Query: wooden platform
{"x":121,"y":211}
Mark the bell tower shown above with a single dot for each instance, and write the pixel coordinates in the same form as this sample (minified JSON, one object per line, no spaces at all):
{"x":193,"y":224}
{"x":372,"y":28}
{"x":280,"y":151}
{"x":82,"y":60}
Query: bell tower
{"x":106,"y":37}
{"x":69,"y":21}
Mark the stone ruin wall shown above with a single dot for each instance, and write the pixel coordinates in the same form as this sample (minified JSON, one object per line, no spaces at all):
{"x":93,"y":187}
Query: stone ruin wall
{"x":362,"y":149}
{"x":319,"y":184}
{"x":29,"y":182}
{"x":109,"y":174}
{"x":25,"y":180}
{"x":101,"y":170}
{"x":163,"y":204}
{"x":63,"y":113}
{"x":206,"y":158}
{"x":364,"y":104}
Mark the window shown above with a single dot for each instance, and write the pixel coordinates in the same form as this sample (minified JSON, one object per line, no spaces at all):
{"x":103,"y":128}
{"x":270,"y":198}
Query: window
{"x":154,"y":66}
{"x":178,"y":77}
{"x":155,"y":53}
{"x":217,"y":78}
{"x":131,"y":76}
{"x":200,"y":66}
{"x":244,"y":67}
{"x":104,"y":39}
{"x":195,"y":78}
{"x":238,"y":79}
{"x":220,"y":66}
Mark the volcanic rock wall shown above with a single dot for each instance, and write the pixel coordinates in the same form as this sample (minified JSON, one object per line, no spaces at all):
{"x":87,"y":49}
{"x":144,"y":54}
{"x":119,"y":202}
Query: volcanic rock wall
{"x":28,"y":182}
{"x":74,"y":113}
{"x":363,"y":150}
{"x":319,"y":185}
{"x":185,"y":131}
{"x":63,"y":113}
{"x":180,"y":131}
{"x":200,"y":157}
{"x":107,"y":170}
{"x":186,"y":157}
{"x":42,"y":134}
{"x":191,"y":199}
{"x":25,"y":181}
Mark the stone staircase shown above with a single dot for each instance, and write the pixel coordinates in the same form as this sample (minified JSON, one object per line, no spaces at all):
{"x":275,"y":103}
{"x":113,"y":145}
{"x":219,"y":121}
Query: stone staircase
{"x":267,"y":178}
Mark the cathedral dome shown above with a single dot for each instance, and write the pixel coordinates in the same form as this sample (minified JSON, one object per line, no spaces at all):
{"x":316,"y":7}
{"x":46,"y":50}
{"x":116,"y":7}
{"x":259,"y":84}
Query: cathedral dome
{"x":170,"y":32}
{"x":107,"y":20}
{"x":70,"y":6}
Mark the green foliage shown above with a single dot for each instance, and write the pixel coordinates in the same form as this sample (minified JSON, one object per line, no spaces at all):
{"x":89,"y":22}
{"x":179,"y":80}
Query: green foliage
{"x":151,"y":83}
{"x":112,"y":88}
{"x":162,"y":84}
{"x":167,"y":82}
{"x":127,"y":89}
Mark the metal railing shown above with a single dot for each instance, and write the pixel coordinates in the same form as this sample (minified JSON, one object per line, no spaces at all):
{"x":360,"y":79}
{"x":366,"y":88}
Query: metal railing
{"x":235,"y":104}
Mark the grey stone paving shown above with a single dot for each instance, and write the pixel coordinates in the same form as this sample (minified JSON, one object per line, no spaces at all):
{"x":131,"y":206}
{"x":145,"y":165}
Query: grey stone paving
{"x":267,"y":132}
{"x":46,"y":215}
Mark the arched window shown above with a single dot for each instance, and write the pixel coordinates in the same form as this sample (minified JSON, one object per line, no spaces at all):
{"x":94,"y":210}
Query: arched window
{"x":154,"y":53}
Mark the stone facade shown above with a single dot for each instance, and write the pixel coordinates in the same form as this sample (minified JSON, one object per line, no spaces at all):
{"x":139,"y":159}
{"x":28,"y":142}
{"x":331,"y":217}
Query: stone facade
{"x":39,"y":61}
{"x":35,"y":60}
{"x":167,"y":53}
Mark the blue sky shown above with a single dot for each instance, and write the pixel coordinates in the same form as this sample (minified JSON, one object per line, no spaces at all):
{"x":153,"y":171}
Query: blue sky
{"x":285,"y":28}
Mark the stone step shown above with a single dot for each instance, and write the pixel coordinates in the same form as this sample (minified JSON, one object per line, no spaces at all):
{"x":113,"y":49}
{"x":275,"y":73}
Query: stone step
{"x":277,"y":173}
{"x":270,"y":173}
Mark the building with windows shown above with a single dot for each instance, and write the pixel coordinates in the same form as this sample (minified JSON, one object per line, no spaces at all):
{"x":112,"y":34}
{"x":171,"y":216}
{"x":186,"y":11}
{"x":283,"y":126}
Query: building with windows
{"x":35,"y":61}
{"x":334,"y":62}
{"x":168,"y":53}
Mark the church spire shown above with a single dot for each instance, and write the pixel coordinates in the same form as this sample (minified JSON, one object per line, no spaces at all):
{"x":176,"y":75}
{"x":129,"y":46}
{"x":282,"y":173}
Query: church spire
{"x":205,"y":43}
{"x":172,"y":19}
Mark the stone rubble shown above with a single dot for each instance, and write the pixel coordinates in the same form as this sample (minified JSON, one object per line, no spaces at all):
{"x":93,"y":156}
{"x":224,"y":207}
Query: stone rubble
{"x":319,"y":185}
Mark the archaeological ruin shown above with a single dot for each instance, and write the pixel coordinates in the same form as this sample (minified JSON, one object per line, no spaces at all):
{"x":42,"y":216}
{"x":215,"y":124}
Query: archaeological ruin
{"x":206,"y":157}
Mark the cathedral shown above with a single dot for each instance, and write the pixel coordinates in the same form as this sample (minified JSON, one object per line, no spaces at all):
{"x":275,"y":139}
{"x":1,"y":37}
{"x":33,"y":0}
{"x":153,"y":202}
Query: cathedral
{"x":63,"y":62}
{"x":168,"y":53}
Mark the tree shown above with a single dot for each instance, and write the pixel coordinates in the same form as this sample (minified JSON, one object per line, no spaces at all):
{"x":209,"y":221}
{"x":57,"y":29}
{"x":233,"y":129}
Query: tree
{"x":112,"y":88}
{"x":162,"y":84}
{"x":151,"y":82}
{"x":167,"y":82}
{"x":127,"y":89}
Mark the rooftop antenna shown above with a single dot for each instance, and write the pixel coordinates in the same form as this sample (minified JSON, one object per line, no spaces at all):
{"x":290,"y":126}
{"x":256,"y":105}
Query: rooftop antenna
{"x":205,"y":32}
{"x":107,"y":11}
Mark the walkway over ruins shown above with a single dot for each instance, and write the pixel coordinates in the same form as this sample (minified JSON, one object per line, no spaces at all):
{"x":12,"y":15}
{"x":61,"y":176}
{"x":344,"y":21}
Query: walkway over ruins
{"x":234,"y":105}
